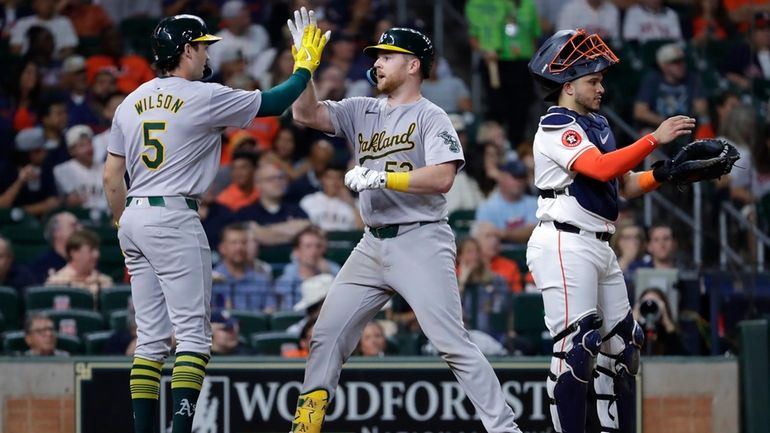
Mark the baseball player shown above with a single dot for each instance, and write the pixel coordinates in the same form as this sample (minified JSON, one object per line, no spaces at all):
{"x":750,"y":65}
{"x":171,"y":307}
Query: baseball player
{"x":166,"y":134}
{"x":577,"y":168}
{"x":407,"y":155}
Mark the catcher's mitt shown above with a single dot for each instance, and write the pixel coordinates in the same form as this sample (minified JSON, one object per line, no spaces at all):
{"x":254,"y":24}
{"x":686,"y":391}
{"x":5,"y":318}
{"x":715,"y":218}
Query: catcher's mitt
{"x":696,"y":161}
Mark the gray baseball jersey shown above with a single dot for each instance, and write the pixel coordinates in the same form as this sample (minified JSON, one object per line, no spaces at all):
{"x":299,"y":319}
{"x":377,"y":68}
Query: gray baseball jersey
{"x":400,"y":138}
{"x":169,"y":132}
{"x":176,"y":125}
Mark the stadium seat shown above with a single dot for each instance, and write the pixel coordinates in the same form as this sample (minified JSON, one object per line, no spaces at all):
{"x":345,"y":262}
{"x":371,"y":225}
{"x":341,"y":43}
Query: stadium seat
{"x":250,"y":321}
{"x":407,"y":343}
{"x":2,"y":322}
{"x":94,"y":341}
{"x":278,"y":254}
{"x":281,"y":320}
{"x":111,"y":261}
{"x":114,"y":298}
{"x":9,"y":306}
{"x":344,"y":236}
{"x":14,"y":344}
{"x":69,"y":343}
{"x":462,"y":220}
{"x":41,"y":298}
{"x":338,"y":254}
{"x":270,"y":343}
{"x":117,"y":319}
{"x":83,"y":320}
{"x":528,"y":322}
{"x":17,"y":218}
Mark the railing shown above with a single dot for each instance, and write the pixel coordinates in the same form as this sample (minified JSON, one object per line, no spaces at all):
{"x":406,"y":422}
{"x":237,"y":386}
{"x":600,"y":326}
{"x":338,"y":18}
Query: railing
{"x":726,"y":253}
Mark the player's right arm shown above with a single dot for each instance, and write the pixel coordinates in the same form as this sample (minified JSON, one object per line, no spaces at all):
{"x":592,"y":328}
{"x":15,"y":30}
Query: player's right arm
{"x":311,"y":113}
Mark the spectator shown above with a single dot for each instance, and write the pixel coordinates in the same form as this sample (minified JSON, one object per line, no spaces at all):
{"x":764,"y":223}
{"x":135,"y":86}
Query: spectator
{"x":321,"y":155}
{"x":650,"y":20}
{"x":75,"y":85}
{"x":41,"y":52}
{"x":53,"y":118}
{"x":24,"y":95}
{"x":57,"y":232}
{"x":28,"y":184}
{"x":233,"y":69}
{"x":483,"y":292}
{"x":488,"y":238}
{"x":710,"y":22}
{"x":12,"y":274}
{"x":40,"y":336}
{"x":750,"y":61}
{"x":307,"y":261}
{"x":662,"y":250}
{"x":548,"y":11}
{"x":65,"y":38}
{"x":237,"y":282}
{"x":101,"y":140}
{"x":120,"y":10}
{"x":303,"y":342}
{"x":282,"y":154}
{"x":741,"y":12}
{"x":224,"y":335}
{"x":314,"y":291}
{"x":595,"y":16}
{"x":343,"y":54}
{"x":628,"y":243}
{"x":669,"y":91}
{"x":79,"y":179}
{"x":332,"y":208}
{"x":505,"y":34}
{"x":465,"y":193}
{"x":445,"y":90}
{"x":80,"y":270}
{"x":130,"y":70}
{"x":331,"y":84}
{"x":373,"y":342}
{"x":653,"y":312}
{"x":88,"y":18}
{"x":279,"y":70}
{"x":280,"y":221}
{"x":490,"y":131}
{"x":239,"y":33}
{"x":123,"y":341}
{"x":102,"y":87}
{"x":509,"y":208}
{"x":9,"y":15}
{"x":740,"y":129}
{"x":242,"y":191}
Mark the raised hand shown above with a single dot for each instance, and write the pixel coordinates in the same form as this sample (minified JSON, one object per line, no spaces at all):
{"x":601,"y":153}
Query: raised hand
{"x":673,"y":128}
{"x":302,"y":19}
{"x":308,"y":56}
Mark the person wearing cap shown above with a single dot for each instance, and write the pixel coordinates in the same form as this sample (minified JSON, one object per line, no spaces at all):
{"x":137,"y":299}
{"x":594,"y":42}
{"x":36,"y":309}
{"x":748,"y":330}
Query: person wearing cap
{"x":750,"y":60}
{"x":651,"y":20}
{"x":241,"y":34}
{"x":79,"y":179}
{"x":29,"y":183}
{"x":314,"y":291}
{"x":510,"y":208}
{"x":224,"y":335}
{"x":669,"y":91}
{"x":75,"y":85}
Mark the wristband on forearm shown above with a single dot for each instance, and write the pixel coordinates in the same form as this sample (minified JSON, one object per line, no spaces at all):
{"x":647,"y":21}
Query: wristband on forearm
{"x":647,"y":181}
{"x":397,"y":181}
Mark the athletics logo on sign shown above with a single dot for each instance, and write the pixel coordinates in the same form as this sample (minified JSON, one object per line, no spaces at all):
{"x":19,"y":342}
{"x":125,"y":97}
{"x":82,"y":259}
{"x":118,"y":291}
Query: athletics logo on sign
{"x":211,"y":414}
{"x":571,"y":138}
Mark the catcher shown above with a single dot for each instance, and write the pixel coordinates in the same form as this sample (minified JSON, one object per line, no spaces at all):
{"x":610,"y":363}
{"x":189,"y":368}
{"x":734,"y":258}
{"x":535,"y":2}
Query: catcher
{"x":577,"y":171}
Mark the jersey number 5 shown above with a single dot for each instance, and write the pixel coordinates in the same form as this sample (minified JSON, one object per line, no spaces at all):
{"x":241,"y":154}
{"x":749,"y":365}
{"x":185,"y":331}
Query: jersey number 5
{"x":153,"y":162}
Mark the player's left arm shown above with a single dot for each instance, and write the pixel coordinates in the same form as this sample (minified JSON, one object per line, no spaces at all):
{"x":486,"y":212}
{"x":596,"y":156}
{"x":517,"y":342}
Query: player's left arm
{"x":431,"y":179}
{"x":114,"y":185}
{"x":635,"y":183}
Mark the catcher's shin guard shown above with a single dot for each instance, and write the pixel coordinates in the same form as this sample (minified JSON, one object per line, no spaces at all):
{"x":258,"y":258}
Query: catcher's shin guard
{"x":311,"y":410}
{"x":614,"y":378}
{"x":571,"y":368}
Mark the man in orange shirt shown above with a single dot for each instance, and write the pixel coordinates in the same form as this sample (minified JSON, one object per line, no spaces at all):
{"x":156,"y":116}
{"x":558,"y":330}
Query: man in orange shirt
{"x":488,"y":237}
{"x":241,"y":192}
{"x":130,"y":70}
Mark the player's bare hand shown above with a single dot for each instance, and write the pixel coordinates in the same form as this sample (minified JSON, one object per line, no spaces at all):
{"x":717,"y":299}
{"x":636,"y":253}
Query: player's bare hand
{"x":360,"y":178}
{"x":302,"y":18}
{"x":311,"y":50}
{"x":673,"y":128}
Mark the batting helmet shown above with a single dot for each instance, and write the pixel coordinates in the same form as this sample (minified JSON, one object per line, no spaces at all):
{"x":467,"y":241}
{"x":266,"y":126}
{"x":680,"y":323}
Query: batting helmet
{"x":403,"y":40}
{"x":567,"y":56}
{"x":171,"y":35}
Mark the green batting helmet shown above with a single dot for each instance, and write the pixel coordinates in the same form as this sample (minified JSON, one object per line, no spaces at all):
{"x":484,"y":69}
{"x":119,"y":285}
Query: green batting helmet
{"x":405,"y":40}
{"x":172,"y":33}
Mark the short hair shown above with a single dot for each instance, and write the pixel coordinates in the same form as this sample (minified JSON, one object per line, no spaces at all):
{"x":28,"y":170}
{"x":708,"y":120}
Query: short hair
{"x":44,"y":107}
{"x":334,"y":166}
{"x":82,"y":238}
{"x":52,"y":225}
{"x":660,"y":225}
{"x":312,"y":230}
{"x":31,"y":318}
{"x":247,"y":155}
{"x":234,"y":227}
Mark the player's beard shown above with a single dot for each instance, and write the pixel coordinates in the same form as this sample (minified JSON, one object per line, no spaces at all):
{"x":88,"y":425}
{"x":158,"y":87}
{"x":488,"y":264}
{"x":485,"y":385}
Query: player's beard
{"x":388,"y":84}
{"x":590,"y":104}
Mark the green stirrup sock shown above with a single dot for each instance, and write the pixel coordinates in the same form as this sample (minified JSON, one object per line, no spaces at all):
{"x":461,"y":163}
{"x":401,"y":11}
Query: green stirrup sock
{"x":145,"y":388}
{"x":186,"y":383}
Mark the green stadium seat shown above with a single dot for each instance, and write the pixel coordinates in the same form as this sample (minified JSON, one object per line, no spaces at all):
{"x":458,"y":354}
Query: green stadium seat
{"x":518,"y":255}
{"x":69,"y":343}
{"x":14,"y":344}
{"x":2,"y":322}
{"x":9,"y":306}
{"x":108,"y":234}
{"x":281,"y":320}
{"x":42,"y":298}
{"x":111,"y":261}
{"x":462,"y":220}
{"x":278,"y":254}
{"x":114,"y":298}
{"x":271,"y":343}
{"x":94,"y":341}
{"x":528,"y":318}
{"x":407,"y":343}
{"x":17,"y":218}
{"x":136,"y":33}
{"x":118,"y":319}
{"x":344,"y":236}
{"x":26,"y":254}
{"x":30,"y":236}
{"x":339,"y":254}
{"x":250,"y":322}
{"x":84,"y":320}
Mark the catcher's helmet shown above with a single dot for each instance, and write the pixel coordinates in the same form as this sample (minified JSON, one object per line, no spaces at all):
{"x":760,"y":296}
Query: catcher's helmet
{"x":172,"y":33}
{"x":403,"y":40}
{"x":568,"y":55}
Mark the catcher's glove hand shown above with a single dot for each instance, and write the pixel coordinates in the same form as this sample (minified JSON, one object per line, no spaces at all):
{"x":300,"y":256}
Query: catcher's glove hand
{"x":699,"y":160}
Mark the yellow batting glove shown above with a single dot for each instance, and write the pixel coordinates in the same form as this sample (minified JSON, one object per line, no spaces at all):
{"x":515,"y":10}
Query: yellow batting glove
{"x":309,"y":54}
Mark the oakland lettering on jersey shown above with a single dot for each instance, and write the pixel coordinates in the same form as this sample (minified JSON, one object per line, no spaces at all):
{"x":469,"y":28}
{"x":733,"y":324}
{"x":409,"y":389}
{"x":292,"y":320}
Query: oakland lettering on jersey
{"x":380,"y":143}
{"x":166,"y":102}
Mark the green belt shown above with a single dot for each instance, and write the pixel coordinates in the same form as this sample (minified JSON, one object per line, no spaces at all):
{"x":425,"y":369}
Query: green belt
{"x":391,"y":231}
{"x":158,"y":201}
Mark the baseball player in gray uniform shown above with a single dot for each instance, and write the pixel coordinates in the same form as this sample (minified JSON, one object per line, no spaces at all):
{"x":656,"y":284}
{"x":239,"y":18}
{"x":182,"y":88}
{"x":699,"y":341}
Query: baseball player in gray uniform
{"x":166,"y":134}
{"x":407,"y":155}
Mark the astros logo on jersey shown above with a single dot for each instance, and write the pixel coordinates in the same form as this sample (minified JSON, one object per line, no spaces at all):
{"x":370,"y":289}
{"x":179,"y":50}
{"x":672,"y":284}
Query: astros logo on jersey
{"x":380,"y":145}
{"x":571,"y":138}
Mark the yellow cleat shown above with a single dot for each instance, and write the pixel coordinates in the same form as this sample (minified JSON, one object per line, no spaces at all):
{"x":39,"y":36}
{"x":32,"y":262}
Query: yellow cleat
{"x":311,"y":410}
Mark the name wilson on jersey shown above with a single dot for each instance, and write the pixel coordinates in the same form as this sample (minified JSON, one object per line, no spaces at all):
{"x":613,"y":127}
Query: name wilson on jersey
{"x":380,"y":145}
{"x":166,"y":102}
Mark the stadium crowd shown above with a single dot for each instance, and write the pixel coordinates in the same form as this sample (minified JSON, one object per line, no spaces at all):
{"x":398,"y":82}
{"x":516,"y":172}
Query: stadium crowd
{"x":278,"y":215}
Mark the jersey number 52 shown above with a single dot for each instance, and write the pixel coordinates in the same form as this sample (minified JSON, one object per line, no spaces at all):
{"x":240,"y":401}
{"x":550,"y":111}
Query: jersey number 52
{"x":153,"y":160}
